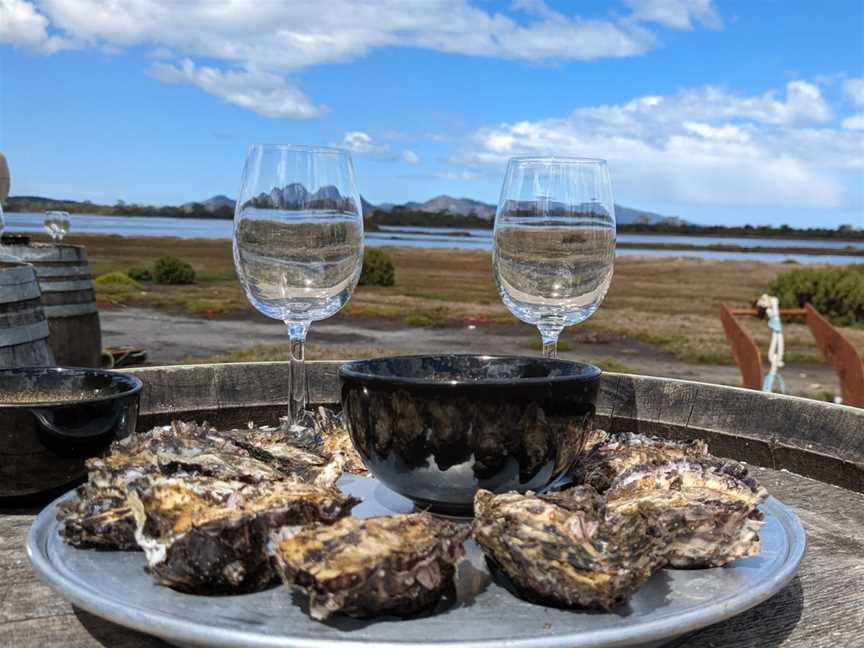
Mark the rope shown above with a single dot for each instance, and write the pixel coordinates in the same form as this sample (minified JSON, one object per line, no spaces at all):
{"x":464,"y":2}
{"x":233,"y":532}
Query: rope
{"x":775,"y":349}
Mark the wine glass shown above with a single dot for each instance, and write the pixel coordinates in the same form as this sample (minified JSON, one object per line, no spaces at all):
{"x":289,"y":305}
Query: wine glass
{"x":56,"y":223}
{"x":554,"y":242}
{"x":298,"y":242}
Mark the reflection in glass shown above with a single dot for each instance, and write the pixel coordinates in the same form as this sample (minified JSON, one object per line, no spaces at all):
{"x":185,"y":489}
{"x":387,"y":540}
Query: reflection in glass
{"x":554,"y":242}
{"x":298,"y":241}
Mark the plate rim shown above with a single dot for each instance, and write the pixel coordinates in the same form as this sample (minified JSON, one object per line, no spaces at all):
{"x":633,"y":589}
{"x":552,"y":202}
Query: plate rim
{"x":191,"y":633}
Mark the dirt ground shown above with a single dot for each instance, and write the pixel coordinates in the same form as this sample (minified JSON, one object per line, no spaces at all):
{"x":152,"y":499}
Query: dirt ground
{"x":173,"y":338}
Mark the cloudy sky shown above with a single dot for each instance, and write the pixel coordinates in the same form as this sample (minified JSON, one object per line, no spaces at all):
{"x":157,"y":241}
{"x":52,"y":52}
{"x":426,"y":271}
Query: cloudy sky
{"x":718,"y":111}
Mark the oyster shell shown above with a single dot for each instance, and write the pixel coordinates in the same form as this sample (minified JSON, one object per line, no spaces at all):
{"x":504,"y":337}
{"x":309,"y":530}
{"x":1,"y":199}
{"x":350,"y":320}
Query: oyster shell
{"x":706,"y":506}
{"x":328,"y":437}
{"x":194,"y":544}
{"x":612,"y":455}
{"x":569,"y":549}
{"x":387,"y":565}
{"x":100,"y":516}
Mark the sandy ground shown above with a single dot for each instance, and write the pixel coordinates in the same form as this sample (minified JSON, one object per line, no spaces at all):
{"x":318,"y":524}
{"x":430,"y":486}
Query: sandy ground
{"x":169,"y":339}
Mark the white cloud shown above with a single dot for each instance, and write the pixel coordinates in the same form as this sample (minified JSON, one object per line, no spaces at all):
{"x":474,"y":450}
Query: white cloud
{"x":677,"y":14}
{"x":855,"y":122}
{"x":251,"y":40}
{"x":410,"y":157}
{"x":21,"y":24}
{"x":854,"y":89}
{"x":264,"y":92}
{"x":360,"y":142}
{"x":703,"y":145}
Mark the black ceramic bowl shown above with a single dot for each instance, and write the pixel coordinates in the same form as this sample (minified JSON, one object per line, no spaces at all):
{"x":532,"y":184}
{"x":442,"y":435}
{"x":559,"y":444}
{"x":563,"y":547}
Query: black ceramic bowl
{"x":52,"y":419}
{"x":438,"y":428}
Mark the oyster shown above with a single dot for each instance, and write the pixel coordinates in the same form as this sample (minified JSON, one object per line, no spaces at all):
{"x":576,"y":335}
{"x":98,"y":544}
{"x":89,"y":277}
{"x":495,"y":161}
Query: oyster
{"x":387,"y":565}
{"x":614,"y":454}
{"x":569,"y":549}
{"x":706,"y":506}
{"x":195,"y":545}
{"x":99,"y":515}
{"x":328,"y":437}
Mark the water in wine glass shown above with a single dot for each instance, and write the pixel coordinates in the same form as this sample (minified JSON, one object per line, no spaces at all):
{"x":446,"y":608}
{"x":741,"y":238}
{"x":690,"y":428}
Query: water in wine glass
{"x":555,"y":268}
{"x":554,"y":242}
{"x":56,"y":223}
{"x":300,"y":265}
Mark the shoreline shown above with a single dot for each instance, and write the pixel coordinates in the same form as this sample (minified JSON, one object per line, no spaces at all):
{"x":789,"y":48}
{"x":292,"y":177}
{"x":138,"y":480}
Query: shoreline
{"x":854,"y":252}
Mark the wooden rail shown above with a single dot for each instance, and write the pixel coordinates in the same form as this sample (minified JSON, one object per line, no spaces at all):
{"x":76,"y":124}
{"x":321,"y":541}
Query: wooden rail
{"x":835,"y":348}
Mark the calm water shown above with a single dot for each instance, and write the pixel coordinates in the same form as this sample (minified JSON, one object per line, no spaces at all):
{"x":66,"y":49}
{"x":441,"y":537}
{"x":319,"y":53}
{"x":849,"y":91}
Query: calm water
{"x":435,"y":238}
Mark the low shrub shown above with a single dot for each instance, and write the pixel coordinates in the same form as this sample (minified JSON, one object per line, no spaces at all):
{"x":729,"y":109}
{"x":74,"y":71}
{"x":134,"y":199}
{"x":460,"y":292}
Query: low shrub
{"x":140,"y":273}
{"x":171,"y":270}
{"x":115,"y":283}
{"x":419,"y":320}
{"x":837,"y":292}
{"x":116,"y":279}
{"x":377,"y":269}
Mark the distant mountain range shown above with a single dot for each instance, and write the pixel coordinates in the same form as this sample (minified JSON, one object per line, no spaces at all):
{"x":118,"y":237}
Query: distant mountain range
{"x":436,"y":205}
{"x":296,"y":193}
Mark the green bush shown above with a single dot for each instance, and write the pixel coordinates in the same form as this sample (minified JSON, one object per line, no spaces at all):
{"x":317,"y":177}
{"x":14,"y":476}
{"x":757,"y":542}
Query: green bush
{"x":116,"y":279}
{"x":139,"y":273}
{"x":115,"y":283}
{"x":419,"y":320}
{"x":171,"y":270}
{"x":377,"y":269}
{"x":837,"y":293}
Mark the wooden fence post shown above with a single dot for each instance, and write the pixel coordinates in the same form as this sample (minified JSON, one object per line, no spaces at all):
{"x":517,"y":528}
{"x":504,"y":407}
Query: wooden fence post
{"x":839,"y":353}
{"x":744,"y":350}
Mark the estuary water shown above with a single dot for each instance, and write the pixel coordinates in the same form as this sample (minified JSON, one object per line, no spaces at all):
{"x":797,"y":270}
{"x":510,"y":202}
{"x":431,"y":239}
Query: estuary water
{"x":425,"y":237}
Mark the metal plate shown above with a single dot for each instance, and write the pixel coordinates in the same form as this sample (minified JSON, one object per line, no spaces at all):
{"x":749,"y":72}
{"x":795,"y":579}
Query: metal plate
{"x":113,"y":585}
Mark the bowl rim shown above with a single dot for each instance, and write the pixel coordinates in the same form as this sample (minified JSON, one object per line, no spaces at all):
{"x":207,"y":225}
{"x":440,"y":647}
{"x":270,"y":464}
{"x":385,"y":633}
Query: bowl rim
{"x":350,"y":370}
{"x":133,"y":383}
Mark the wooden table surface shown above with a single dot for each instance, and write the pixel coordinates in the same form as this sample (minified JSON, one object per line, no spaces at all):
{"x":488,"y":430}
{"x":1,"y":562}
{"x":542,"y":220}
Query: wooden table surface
{"x":823,"y":607}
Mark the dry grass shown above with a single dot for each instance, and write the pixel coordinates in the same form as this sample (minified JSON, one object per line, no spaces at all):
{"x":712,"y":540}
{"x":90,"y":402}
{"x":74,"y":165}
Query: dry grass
{"x":672,"y":303}
{"x":279,"y":352}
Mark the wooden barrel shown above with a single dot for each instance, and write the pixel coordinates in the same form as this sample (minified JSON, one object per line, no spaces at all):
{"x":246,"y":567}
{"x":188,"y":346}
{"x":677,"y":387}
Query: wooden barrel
{"x":800,"y":450}
{"x":808,"y":437}
{"x":23,"y":327}
{"x":68,"y":299}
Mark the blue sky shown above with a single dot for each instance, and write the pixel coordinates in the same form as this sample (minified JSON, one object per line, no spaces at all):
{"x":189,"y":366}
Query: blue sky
{"x":723,"y":112}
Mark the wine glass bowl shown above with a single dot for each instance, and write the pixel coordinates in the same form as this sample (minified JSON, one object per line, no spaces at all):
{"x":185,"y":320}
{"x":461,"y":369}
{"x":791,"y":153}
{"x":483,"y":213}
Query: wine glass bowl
{"x":298,"y":240}
{"x":56,"y":224}
{"x":554,"y":242}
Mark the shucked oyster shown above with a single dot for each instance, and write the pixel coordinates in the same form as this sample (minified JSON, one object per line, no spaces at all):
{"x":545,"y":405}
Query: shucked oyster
{"x":195,"y":546}
{"x":706,"y":506}
{"x":618,"y":453}
{"x":387,"y":565}
{"x":569,"y":549}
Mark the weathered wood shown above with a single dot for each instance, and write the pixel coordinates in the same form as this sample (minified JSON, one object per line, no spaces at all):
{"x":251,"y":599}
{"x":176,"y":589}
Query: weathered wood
{"x":841,"y":355}
{"x":23,"y":328}
{"x":5,"y":179}
{"x":755,"y":312}
{"x":744,"y":350}
{"x":69,"y":301}
{"x":812,"y":438}
{"x":822,"y":608}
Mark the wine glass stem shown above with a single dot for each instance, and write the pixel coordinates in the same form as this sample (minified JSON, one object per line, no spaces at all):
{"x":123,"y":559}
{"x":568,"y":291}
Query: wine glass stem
{"x":297,"y":371}
{"x":549,"y":335}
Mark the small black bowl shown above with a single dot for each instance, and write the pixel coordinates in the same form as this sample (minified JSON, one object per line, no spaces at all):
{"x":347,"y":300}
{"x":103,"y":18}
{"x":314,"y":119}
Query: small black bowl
{"x":438,"y":428}
{"x":52,"y":419}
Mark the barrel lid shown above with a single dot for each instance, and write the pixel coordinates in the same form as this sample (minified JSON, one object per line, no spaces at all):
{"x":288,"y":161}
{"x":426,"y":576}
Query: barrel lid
{"x":49,"y":252}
